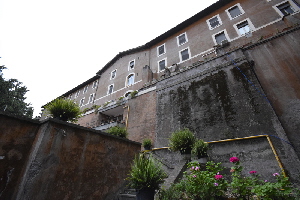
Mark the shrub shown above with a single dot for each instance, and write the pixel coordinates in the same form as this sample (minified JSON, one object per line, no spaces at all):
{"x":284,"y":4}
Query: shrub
{"x":133,"y":94}
{"x":182,"y":140}
{"x":118,"y":131}
{"x":146,"y":173}
{"x":147,"y":143}
{"x":64,"y":109}
{"x":200,"y":148}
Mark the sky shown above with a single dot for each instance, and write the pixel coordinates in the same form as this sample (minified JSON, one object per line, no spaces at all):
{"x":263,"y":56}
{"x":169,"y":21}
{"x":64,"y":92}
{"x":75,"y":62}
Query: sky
{"x":51,"y":46}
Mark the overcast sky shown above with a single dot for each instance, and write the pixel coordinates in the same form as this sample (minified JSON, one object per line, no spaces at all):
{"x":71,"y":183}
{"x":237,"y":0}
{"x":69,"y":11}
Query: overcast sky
{"x":54,"y":45}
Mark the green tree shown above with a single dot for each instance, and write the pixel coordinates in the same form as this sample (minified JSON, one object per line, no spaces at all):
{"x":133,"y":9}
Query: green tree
{"x":12,"y":96}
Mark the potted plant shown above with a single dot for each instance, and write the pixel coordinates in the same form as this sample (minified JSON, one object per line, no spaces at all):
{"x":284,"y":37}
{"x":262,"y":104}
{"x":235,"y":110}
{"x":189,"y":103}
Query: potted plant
{"x":118,"y":131}
{"x":145,"y":176}
{"x":147,"y":144}
{"x":182,"y":140}
{"x":64,"y":109}
{"x":200,"y":150}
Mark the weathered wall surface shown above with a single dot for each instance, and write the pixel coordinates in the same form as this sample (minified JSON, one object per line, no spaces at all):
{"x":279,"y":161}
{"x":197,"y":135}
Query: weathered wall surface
{"x":16,"y":139}
{"x":65,"y":162}
{"x":142,"y":117}
{"x":277,"y":68}
{"x":216,"y":101}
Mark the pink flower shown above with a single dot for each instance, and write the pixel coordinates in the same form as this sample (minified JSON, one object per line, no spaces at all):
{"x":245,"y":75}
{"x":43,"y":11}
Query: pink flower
{"x":218,"y":177}
{"x":253,"y":172}
{"x":232,"y":170}
{"x":197,"y":168}
{"x":275,"y":174}
{"x":194,"y":176}
{"x":266,"y":180}
{"x":216,"y":184}
{"x":234,"y":159}
{"x":193,"y":168}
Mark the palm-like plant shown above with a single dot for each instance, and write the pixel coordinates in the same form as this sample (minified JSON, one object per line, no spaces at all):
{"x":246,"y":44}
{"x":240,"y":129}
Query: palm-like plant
{"x":64,"y":109}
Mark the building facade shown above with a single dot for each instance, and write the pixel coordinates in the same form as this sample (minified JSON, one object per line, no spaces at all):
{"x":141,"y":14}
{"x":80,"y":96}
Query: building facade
{"x":257,"y":39}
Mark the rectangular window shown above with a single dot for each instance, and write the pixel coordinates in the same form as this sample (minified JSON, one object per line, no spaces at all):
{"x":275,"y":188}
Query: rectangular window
{"x":181,"y":39}
{"x":235,"y":11}
{"x":220,"y":37}
{"x":214,"y":22}
{"x":91,"y":99}
{"x":161,"y":50}
{"x":110,"y":89}
{"x":85,"y":89}
{"x":130,"y":79}
{"x":243,"y":28}
{"x":95,"y":84}
{"x":162,"y":65}
{"x":131,"y":65}
{"x":184,"y":55}
{"x":113,"y":74}
{"x":286,"y":8}
{"x":81,"y":102}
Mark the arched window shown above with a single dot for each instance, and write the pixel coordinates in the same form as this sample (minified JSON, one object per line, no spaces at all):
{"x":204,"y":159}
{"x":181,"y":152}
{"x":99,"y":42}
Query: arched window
{"x":130,"y":79}
{"x":110,"y":89}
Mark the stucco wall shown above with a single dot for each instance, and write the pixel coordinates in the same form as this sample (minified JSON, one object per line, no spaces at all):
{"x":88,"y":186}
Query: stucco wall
{"x":65,"y":162}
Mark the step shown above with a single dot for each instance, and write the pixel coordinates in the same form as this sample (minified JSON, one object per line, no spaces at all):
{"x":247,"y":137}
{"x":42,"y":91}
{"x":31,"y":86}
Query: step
{"x":127,"y":196}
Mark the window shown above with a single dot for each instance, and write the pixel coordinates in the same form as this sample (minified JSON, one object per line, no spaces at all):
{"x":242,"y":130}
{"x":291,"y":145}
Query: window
{"x":235,"y":11}
{"x":184,"y":54}
{"x":161,"y":50}
{"x":286,"y":8}
{"x":91,"y":99}
{"x":85,"y":89}
{"x":162,"y":64}
{"x":77,"y":93}
{"x":95,"y":84}
{"x":130,"y":79}
{"x":219,"y":37}
{"x":181,"y":39}
{"x":110,"y":89}
{"x":131,"y":65}
{"x":81,"y":102}
{"x":113,"y":74}
{"x":243,"y":28}
{"x":214,"y":22}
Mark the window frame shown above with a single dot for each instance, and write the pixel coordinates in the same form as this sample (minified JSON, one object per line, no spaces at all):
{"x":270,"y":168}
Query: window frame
{"x":293,"y":6}
{"x":93,"y":98}
{"x":219,"y":19}
{"x":77,"y":93}
{"x":226,"y":35}
{"x":129,"y":75}
{"x":95,"y":83}
{"x":250,"y":24}
{"x":186,"y":39}
{"x":85,"y":89}
{"x":111,"y":74}
{"x":81,"y":102}
{"x":164,"y":45}
{"x":240,"y":8}
{"x":180,"y":55}
{"x":165,"y":59}
{"x":108,"y":89}
{"x":129,"y":68}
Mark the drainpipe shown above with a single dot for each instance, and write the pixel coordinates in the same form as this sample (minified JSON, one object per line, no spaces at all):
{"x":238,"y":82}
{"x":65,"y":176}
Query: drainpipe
{"x":126,"y":122}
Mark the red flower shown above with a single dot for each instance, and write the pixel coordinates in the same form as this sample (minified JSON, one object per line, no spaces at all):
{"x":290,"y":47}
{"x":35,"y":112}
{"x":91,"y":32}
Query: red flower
{"x":234,"y":159}
{"x":253,"y":172}
{"x":218,"y":177}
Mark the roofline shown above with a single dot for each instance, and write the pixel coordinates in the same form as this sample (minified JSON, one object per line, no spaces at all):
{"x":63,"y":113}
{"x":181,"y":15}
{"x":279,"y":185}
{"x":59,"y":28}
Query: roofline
{"x":167,"y":34}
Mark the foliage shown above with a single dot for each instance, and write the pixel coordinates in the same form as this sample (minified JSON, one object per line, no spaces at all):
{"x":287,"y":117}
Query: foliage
{"x":210,"y":184}
{"x":146,"y":173}
{"x":118,"y":131}
{"x":133,"y":94}
{"x":147,"y":143}
{"x":106,"y":103}
{"x":182,"y":140}
{"x":13,"y":97}
{"x":200,"y":148}
{"x":64,"y":109}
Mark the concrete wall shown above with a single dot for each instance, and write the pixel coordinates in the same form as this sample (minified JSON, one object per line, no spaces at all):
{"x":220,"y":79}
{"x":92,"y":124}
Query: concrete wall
{"x":276,"y":64}
{"x":65,"y":162}
{"x":216,"y":101}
